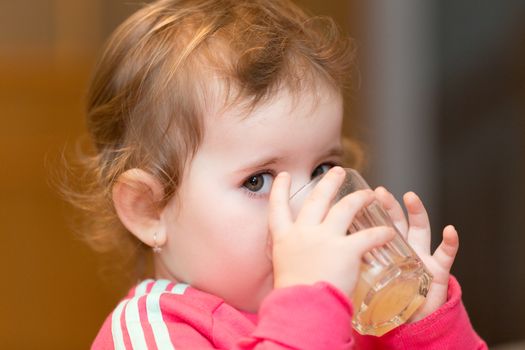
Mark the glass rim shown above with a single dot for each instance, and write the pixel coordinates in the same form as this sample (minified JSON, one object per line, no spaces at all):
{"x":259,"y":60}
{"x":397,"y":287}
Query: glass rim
{"x":318,"y":178}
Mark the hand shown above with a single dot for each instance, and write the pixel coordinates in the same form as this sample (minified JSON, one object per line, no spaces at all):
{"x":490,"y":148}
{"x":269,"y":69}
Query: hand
{"x":417,"y":232}
{"x":315,"y":247}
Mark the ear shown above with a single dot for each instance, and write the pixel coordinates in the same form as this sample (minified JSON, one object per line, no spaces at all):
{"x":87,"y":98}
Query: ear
{"x":136,"y":195}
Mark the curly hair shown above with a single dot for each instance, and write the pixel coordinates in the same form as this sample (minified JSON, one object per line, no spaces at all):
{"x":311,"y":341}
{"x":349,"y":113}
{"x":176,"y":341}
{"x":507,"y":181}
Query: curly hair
{"x":165,"y":65}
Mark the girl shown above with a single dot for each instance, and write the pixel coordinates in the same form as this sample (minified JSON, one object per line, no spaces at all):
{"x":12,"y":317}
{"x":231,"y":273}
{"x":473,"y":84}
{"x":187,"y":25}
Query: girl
{"x":205,"y":115}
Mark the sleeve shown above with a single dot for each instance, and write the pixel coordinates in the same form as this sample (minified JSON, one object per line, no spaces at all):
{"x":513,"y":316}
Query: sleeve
{"x":448,"y":327}
{"x":303,"y":317}
{"x":299,"y":317}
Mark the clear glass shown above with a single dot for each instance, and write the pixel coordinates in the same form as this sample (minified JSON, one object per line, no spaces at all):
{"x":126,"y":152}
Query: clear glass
{"x":393,"y":281}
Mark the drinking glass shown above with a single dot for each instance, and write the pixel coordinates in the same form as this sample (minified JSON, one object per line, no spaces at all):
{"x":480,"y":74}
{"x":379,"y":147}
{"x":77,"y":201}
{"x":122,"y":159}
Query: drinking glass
{"x":393,"y":281}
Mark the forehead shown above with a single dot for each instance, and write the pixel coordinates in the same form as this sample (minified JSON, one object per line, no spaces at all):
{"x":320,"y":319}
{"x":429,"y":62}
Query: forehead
{"x":284,"y":121}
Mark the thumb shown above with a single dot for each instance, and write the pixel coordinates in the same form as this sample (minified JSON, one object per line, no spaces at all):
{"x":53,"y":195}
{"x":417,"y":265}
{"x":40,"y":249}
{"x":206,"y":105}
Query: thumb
{"x":280,"y":217}
{"x":447,"y":250}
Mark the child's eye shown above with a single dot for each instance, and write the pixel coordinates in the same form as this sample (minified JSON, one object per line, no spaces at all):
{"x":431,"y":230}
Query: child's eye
{"x":260,"y":183}
{"x":321,"y":169}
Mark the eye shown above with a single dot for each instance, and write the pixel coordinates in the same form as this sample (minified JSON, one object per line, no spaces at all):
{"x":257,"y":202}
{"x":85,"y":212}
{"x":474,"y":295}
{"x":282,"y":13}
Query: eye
{"x":321,"y":169}
{"x":260,"y":183}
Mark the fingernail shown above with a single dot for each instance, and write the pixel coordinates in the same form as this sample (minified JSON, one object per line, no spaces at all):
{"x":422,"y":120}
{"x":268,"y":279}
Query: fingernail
{"x":412,"y":193}
{"x":338,"y":170}
{"x":382,"y":188}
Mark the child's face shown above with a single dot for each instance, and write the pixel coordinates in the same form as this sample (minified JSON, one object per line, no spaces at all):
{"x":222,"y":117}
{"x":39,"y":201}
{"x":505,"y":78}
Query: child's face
{"x":217,"y":232}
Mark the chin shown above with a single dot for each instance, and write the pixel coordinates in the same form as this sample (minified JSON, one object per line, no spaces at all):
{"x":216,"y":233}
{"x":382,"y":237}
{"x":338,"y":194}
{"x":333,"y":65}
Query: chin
{"x":251,"y":305}
{"x":250,"y":302}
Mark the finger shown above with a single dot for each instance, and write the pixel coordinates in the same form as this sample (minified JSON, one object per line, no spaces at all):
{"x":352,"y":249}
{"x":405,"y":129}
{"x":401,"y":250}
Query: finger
{"x":365,"y":240}
{"x":447,"y":250}
{"x":393,"y":208}
{"x":419,"y":224}
{"x":341,"y":215}
{"x":279,"y":213}
{"x":319,"y":201}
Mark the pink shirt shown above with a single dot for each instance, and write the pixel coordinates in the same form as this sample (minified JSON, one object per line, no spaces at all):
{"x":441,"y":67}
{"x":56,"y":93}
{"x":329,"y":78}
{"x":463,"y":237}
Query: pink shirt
{"x":164,"y":315}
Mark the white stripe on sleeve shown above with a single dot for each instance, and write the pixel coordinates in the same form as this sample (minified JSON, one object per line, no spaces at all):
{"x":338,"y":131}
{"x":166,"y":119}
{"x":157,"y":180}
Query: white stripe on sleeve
{"x":141,"y":288}
{"x":179,"y":288}
{"x":116,"y":329}
{"x":133,"y":324}
{"x":160,"y":286}
{"x":158,"y":326}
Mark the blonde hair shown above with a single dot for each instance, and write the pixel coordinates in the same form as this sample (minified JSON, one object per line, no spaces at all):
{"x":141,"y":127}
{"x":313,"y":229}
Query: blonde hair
{"x":149,"y":91}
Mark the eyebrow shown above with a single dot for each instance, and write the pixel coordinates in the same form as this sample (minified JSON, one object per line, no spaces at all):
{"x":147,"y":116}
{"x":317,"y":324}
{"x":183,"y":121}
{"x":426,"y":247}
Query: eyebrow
{"x":334,"y":152}
{"x":266,"y":162}
{"x":260,"y":164}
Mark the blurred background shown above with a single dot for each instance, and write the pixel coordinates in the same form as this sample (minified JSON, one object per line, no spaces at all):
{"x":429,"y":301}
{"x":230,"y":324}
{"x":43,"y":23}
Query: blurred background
{"x":441,"y":111}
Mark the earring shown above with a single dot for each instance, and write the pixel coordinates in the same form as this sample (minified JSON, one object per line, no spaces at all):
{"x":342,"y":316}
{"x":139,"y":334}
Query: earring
{"x":156,"y":248}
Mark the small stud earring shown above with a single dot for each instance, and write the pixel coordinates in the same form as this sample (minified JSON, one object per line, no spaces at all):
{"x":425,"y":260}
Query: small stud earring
{"x":156,"y":248}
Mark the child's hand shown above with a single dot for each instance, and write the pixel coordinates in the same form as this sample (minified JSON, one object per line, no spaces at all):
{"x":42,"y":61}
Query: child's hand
{"x":315,"y":247}
{"x":417,"y":233}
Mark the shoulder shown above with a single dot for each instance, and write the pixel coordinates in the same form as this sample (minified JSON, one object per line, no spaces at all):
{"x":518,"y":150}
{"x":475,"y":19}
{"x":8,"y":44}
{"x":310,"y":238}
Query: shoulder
{"x":144,"y":318}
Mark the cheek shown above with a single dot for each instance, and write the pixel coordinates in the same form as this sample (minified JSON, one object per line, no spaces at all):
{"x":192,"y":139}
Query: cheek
{"x":242,"y":223}
{"x":229,"y":224}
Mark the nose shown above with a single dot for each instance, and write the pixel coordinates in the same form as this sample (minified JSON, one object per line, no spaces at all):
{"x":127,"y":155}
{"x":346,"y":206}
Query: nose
{"x":298,"y":182}
{"x":300,"y":193}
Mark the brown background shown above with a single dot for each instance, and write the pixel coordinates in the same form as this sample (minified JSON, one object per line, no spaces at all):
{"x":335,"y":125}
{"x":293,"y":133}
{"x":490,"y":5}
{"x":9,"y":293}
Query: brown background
{"x":56,"y":292}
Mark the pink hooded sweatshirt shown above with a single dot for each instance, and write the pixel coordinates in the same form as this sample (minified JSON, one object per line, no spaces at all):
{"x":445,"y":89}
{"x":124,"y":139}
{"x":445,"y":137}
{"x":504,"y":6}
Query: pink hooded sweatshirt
{"x":164,"y":315}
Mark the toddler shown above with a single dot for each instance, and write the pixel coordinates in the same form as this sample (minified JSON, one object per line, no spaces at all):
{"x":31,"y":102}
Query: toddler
{"x":205,"y":115}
